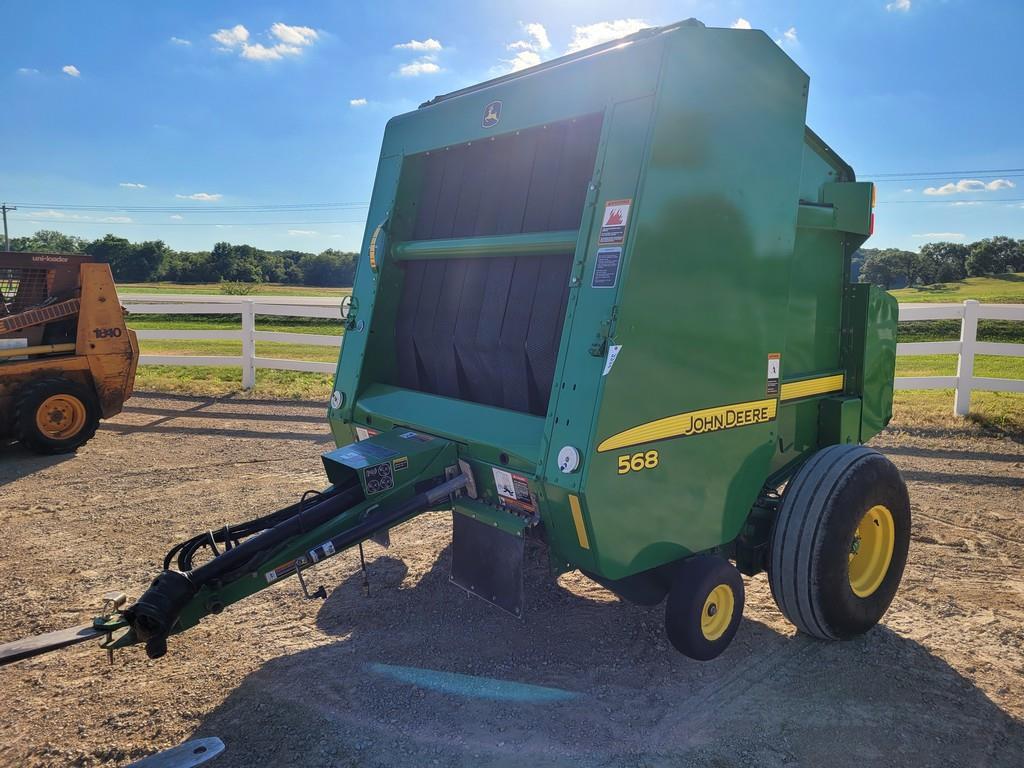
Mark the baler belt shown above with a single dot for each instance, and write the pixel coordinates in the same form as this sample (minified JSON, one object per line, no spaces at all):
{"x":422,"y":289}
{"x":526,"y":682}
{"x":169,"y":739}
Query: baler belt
{"x":483,"y":330}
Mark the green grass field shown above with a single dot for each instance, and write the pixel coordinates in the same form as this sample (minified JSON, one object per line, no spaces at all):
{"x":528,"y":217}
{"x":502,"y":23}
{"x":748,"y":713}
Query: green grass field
{"x":1005,"y":410}
{"x":264,"y":289}
{"x":998,"y":289}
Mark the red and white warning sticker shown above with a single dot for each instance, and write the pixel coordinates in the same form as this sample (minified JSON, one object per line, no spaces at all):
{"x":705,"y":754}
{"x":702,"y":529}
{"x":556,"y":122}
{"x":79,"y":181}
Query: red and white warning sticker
{"x":613,"y":224}
{"x":774,"y":367}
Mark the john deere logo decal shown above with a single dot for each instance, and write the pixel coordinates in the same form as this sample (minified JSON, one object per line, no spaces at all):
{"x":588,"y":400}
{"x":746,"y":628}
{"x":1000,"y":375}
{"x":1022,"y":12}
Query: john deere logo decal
{"x":492,"y":114}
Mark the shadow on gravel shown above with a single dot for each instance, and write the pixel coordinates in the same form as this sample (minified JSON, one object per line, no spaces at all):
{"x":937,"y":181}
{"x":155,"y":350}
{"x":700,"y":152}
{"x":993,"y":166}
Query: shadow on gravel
{"x":17,"y":462}
{"x":769,"y":700}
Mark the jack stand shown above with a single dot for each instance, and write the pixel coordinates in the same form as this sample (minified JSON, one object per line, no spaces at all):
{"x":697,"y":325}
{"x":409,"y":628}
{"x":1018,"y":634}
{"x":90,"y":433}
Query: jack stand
{"x":362,"y":565}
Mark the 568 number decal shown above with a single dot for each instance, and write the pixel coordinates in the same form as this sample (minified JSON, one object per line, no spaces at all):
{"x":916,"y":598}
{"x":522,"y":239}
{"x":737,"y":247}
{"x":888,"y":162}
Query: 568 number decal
{"x":637,"y":462}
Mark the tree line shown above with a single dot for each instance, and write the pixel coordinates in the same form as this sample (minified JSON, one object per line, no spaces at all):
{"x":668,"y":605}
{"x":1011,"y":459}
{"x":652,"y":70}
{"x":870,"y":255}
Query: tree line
{"x":153,"y":261}
{"x":938,"y":262}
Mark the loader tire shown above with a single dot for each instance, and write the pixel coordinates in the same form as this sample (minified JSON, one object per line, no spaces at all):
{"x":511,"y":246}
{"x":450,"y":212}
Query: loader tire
{"x":839,"y":542}
{"x":704,"y":607}
{"x":55,"y":415}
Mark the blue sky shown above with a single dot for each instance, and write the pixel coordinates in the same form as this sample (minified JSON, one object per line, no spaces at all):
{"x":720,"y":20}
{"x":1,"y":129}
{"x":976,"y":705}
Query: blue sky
{"x":200,"y":109}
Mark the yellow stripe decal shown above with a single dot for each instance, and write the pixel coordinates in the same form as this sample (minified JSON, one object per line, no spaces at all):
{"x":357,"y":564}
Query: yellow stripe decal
{"x":694,"y":423}
{"x":808,"y":387}
{"x":577,"y":518}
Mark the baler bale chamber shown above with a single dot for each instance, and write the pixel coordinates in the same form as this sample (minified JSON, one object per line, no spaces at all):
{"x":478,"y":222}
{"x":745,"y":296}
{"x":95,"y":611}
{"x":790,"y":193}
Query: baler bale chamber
{"x":603,"y":302}
{"x":619,"y":283}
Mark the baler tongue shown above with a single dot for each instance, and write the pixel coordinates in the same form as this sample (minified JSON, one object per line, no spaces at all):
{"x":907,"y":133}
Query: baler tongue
{"x":377,"y":484}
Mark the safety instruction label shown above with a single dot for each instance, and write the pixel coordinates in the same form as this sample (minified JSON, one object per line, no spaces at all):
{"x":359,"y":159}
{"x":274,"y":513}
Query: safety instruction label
{"x":379,"y":478}
{"x":774,"y":366}
{"x":606,"y":267}
{"x":402,"y":463}
{"x":362,"y":454}
{"x":284,"y":569}
{"x":613,"y":225}
{"x":513,"y":490}
{"x":364,"y":433}
{"x":417,"y":436}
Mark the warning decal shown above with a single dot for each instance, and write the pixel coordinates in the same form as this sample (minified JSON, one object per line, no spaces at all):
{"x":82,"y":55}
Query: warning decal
{"x":613,"y":225}
{"x":606,"y":269}
{"x":379,"y":478}
{"x":774,"y":364}
{"x":513,"y":490}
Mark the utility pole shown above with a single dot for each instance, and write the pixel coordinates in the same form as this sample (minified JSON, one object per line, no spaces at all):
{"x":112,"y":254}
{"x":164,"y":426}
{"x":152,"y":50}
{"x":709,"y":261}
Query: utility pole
{"x":5,"y":208}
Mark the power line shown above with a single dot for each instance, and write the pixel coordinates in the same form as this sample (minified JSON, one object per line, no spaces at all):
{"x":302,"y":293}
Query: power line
{"x":972,"y":201}
{"x":184,"y":223}
{"x":919,"y":174}
{"x":270,"y":208}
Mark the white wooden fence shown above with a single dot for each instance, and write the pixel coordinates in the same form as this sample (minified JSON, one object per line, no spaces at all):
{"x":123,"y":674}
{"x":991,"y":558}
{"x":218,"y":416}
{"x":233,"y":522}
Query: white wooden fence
{"x":281,"y":306}
{"x":330,"y":308}
{"x":966,"y":348}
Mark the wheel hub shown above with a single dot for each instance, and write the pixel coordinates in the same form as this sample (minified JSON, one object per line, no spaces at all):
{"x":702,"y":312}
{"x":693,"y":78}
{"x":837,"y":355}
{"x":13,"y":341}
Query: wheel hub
{"x":871,"y":550}
{"x":60,"y":417}
{"x":717,"y":613}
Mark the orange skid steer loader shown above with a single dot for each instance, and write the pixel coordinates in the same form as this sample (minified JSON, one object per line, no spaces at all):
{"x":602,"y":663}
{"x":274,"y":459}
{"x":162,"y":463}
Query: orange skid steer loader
{"x":66,"y":357}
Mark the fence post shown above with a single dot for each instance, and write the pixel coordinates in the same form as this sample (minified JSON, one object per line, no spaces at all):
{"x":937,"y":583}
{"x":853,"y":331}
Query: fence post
{"x":965,"y":361}
{"x":248,"y":344}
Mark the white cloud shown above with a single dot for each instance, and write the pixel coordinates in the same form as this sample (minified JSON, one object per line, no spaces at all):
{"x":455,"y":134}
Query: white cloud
{"x":522,"y":60}
{"x":116,"y":219}
{"x":527,"y":52}
{"x":231,"y":38}
{"x":357,"y":102}
{"x":590,"y":35}
{"x":71,"y":69}
{"x":423,"y":66}
{"x":964,"y":203}
{"x":970,"y":185}
{"x":204,"y":197}
{"x":28,"y":71}
{"x":538,"y":35}
{"x":131,"y":185}
{"x":260,"y":52}
{"x":430,"y":44}
{"x":291,"y":40}
{"x":62,"y":216}
{"x":741,"y":23}
{"x":289,"y":35}
{"x":908,"y":189}
{"x":898,"y":5}
{"x":180,"y":41}
{"x":940,"y":236}
{"x":177,"y":217}
{"x":302,"y":232}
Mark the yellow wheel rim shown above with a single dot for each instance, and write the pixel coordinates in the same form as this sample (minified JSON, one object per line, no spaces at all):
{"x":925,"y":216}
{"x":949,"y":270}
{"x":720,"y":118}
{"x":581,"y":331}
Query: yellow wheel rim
{"x":871,"y":550}
{"x":61,"y":417}
{"x":717,"y":613}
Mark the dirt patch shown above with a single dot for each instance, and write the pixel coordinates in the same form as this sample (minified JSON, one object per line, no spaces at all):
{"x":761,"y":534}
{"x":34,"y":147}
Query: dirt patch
{"x":421,"y":674}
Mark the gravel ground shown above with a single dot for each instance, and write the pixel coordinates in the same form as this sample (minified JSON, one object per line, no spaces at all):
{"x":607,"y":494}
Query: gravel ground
{"x":421,"y":674}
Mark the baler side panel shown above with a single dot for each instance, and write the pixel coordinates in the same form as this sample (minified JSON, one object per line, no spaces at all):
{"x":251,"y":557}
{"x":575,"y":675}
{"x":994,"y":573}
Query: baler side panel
{"x":356,"y":351}
{"x":704,"y":303}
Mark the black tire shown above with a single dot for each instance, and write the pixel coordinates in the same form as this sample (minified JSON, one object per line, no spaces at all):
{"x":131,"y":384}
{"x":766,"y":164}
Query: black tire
{"x":691,"y":610}
{"x":813,"y":545}
{"x":31,"y":397}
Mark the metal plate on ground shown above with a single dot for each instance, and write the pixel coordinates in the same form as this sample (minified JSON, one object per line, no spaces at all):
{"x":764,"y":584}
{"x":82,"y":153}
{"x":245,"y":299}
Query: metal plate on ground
{"x":187,"y":755}
{"x":51,"y":641}
{"x":488,"y":563}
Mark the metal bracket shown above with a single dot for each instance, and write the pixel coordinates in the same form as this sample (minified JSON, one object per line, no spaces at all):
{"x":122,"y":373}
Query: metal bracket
{"x":321,"y":593}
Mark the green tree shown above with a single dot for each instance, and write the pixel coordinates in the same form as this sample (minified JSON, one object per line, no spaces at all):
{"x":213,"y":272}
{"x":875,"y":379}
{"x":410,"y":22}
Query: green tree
{"x":329,"y":268}
{"x":942,"y":262}
{"x":994,"y":255}
{"x":114,"y":250}
{"x":879,"y":268}
{"x":49,"y":241}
